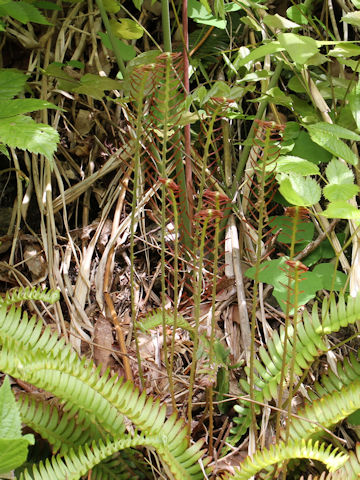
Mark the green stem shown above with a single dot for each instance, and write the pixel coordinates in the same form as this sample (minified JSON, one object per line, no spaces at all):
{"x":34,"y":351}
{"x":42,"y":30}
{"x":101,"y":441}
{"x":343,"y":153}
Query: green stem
{"x":112,"y":38}
{"x":166,"y":26}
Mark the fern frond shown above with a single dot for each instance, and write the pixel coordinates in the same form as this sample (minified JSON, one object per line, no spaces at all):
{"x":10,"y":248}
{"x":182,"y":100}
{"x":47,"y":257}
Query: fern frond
{"x":36,"y":293}
{"x":155,"y":318}
{"x":325,"y":411}
{"x":280,"y":452}
{"x":77,"y":463}
{"x":309,"y":345}
{"x":86,"y":394}
{"x":60,"y":429}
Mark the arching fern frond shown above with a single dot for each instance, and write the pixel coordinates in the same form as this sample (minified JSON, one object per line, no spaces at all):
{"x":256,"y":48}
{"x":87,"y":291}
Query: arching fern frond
{"x":61,"y":430}
{"x":309,"y":345}
{"x":36,"y":293}
{"x":325,"y":411}
{"x":77,"y":463}
{"x":280,"y":452}
{"x":98,"y":399}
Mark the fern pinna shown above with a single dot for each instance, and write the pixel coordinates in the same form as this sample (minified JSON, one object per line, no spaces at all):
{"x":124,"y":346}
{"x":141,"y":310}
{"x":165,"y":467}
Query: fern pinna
{"x":89,"y":424}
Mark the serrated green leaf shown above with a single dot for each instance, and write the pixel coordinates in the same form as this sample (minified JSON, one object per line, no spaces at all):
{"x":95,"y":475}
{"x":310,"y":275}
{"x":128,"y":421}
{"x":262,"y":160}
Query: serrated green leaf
{"x":95,"y":86}
{"x":337,"y":172}
{"x":292,"y":164}
{"x":10,"y":422}
{"x":336,"y":130}
{"x":332,"y":144}
{"x":24,"y":133}
{"x":346,"y":50}
{"x":299,"y":48}
{"x":305,"y":148}
{"x":278,"y":22}
{"x":10,"y":108}
{"x":4,"y":151}
{"x":126,"y":28}
{"x":353,"y":18}
{"x":12,"y":82}
{"x":340,"y":193}
{"x":298,"y":190}
{"x":13,"y":453}
{"x":341,"y":210}
{"x":23,"y":12}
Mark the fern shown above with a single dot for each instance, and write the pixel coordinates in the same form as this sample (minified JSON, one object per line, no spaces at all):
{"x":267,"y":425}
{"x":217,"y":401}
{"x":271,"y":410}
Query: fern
{"x":42,"y":360}
{"x":280,"y":452}
{"x":21,"y":294}
{"x":309,"y":345}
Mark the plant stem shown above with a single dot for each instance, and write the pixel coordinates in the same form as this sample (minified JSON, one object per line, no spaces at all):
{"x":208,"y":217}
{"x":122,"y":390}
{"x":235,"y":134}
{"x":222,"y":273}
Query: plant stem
{"x":166,"y":27}
{"x":112,"y":38}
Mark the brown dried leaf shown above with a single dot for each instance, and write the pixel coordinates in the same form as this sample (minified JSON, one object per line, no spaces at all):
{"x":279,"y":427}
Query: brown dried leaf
{"x":103,"y":335}
{"x":36,"y":262}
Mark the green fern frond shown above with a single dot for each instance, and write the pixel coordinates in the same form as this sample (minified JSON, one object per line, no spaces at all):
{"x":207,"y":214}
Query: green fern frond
{"x":60,"y":429}
{"x":155,"y":318}
{"x":20,"y":294}
{"x":49,"y":364}
{"x":325,"y":411}
{"x":280,"y":452}
{"x":77,"y":463}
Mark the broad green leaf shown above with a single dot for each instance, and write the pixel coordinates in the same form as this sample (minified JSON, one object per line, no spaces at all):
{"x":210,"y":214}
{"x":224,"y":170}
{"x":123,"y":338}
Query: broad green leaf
{"x":340,"y":193}
{"x":304,"y":230}
{"x":297,"y":13}
{"x":24,"y":133}
{"x":111,"y":6}
{"x":200,"y":14}
{"x":332,"y":144}
{"x":342,"y":210}
{"x":298,"y":190}
{"x":299,"y":48}
{"x":274,"y":272}
{"x":279,"y":97}
{"x":335,"y":130}
{"x":356,"y":3}
{"x":10,"y":422}
{"x":345,"y":50}
{"x":126,"y":28}
{"x":260,"y":52}
{"x":4,"y":150}
{"x":291,"y":164}
{"x":324,"y":250}
{"x":10,"y":108}
{"x":354,"y":418}
{"x":339,"y":173}
{"x":95,"y":86}
{"x":278,"y":22}
{"x":127,"y":51}
{"x":13,"y":453}
{"x":353,"y":18}
{"x":23,"y":12}
{"x":331,"y":279}
{"x":354,"y":102}
{"x":306,"y":148}
{"x":12,"y":82}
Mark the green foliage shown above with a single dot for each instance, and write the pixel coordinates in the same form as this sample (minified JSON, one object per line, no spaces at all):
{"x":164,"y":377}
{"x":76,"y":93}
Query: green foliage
{"x":95,"y":404}
{"x":18,"y":130}
{"x":13,"y":445}
{"x":22,"y":11}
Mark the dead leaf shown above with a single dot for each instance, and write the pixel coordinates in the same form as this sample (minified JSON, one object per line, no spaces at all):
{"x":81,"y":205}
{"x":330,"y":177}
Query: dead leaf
{"x":36,"y":262}
{"x":103,"y":335}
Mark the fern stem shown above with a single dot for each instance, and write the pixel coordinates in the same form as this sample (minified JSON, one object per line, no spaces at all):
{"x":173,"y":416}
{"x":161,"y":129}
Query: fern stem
{"x":287,"y":322}
{"x":176,"y":291}
{"x":112,"y":38}
{"x":197,"y":302}
{"x":166,"y":26}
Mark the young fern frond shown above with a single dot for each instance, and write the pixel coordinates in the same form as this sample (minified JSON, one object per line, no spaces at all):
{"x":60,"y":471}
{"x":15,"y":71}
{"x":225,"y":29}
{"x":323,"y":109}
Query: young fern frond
{"x":36,"y":293}
{"x":280,"y":452}
{"x":90,"y":397}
